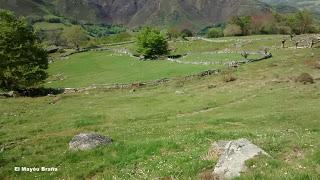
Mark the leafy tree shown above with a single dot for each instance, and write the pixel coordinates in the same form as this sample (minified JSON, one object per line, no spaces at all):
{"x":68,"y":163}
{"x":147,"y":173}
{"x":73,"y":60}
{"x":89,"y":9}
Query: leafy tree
{"x":215,"y":33}
{"x":75,"y":36}
{"x":298,"y":23}
{"x":22,"y":60}
{"x":304,"y":20}
{"x":151,"y":43}
{"x":244,"y":22}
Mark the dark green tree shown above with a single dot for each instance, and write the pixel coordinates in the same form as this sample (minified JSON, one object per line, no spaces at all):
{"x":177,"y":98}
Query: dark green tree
{"x":151,"y":43}
{"x":22,"y":60}
{"x":186,"y":33}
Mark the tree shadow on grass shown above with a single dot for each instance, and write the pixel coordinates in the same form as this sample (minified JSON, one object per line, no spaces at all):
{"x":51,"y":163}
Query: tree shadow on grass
{"x":39,"y":92}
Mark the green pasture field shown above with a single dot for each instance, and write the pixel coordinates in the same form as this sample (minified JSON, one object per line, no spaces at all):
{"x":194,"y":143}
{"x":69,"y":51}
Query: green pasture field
{"x":164,"y":131}
{"x":89,"y":68}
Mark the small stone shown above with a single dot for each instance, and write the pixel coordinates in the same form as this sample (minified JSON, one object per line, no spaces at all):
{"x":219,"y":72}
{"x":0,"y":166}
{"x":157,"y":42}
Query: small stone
{"x":133,"y":90}
{"x":212,"y":86}
{"x":179,"y":92}
{"x":87,"y":141}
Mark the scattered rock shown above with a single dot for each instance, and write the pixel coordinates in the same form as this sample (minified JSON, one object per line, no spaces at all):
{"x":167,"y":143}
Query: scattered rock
{"x":211,"y":86}
{"x":233,"y":155}
{"x":228,"y":77}
{"x":70,"y":90}
{"x":179,"y":92}
{"x":133,"y":90}
{"x":305,"y":78}
{"x":9,"y":94}
{"x":87,"y":141}
{"x":208,"y":73}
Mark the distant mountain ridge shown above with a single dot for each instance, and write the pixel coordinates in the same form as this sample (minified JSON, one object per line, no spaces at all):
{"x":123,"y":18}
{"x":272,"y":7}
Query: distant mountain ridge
{"x":312,"y":5}
{"x":194,"y":14}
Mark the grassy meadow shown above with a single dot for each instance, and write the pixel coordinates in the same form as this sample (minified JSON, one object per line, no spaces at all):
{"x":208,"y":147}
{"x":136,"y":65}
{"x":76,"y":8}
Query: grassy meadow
{"x":164,"y":131}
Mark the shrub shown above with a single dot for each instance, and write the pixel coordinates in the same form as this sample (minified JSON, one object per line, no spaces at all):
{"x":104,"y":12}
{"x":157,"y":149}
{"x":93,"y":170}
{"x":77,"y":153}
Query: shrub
{"x":284,"y":30}
{"x":270,"y":28}
{"x":53,"y":19}
{"x":186,"y":33}
{"x":34,"y":19}
{"x":305,"y":78}
{"x":173,"y":33}
{"x":151,"y":43}
{"x":232,"y":30}
{"x":116,"y":38}
{"x":215,"y":33}
{"x":228,"y":76}
{"x":75,"y":36}
{"x":100,"y":31}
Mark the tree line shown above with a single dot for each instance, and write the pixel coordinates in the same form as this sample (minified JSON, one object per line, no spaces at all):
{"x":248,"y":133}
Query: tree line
{"x":301,"y":22}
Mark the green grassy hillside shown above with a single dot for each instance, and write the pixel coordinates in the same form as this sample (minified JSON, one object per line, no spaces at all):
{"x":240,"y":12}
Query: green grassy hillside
{"x":165,"y":131}
{"x":26,"y":7}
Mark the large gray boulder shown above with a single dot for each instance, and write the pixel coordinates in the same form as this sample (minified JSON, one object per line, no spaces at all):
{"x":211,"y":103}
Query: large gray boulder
{"x":87,"y":141}
{"x":233,"y":155}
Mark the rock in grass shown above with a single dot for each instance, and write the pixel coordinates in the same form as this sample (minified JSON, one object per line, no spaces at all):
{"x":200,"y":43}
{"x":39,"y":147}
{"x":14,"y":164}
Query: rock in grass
{"x":9,"y":94}
{"x":233,"y":155}
{"x":87,"y":141}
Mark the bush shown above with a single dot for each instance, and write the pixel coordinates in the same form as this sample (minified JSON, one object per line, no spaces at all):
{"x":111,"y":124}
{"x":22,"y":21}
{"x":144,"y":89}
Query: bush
{"x":23,"y":60}
{"x":305,"y":78}
{"x":173,"y":33}
{"x":232,"y":30}
{"x":284,"y":30}
{"x":215,"y":33}
{"x":269,"y":29}
{"x":116,"y":38}
{"x":34,"y":19}
{"x":75,"y":36}
{"x":53,"y":19}
{"x":186,"y":33}
{"x":151,"y":43}
{"x":103,"y":30}
{"x":228,"y":77}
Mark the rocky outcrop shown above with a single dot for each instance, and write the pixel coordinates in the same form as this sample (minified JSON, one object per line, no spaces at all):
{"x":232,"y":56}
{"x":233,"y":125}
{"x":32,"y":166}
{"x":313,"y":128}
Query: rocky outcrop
{"x":87,"y":141}
{"x":232,"y":157}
